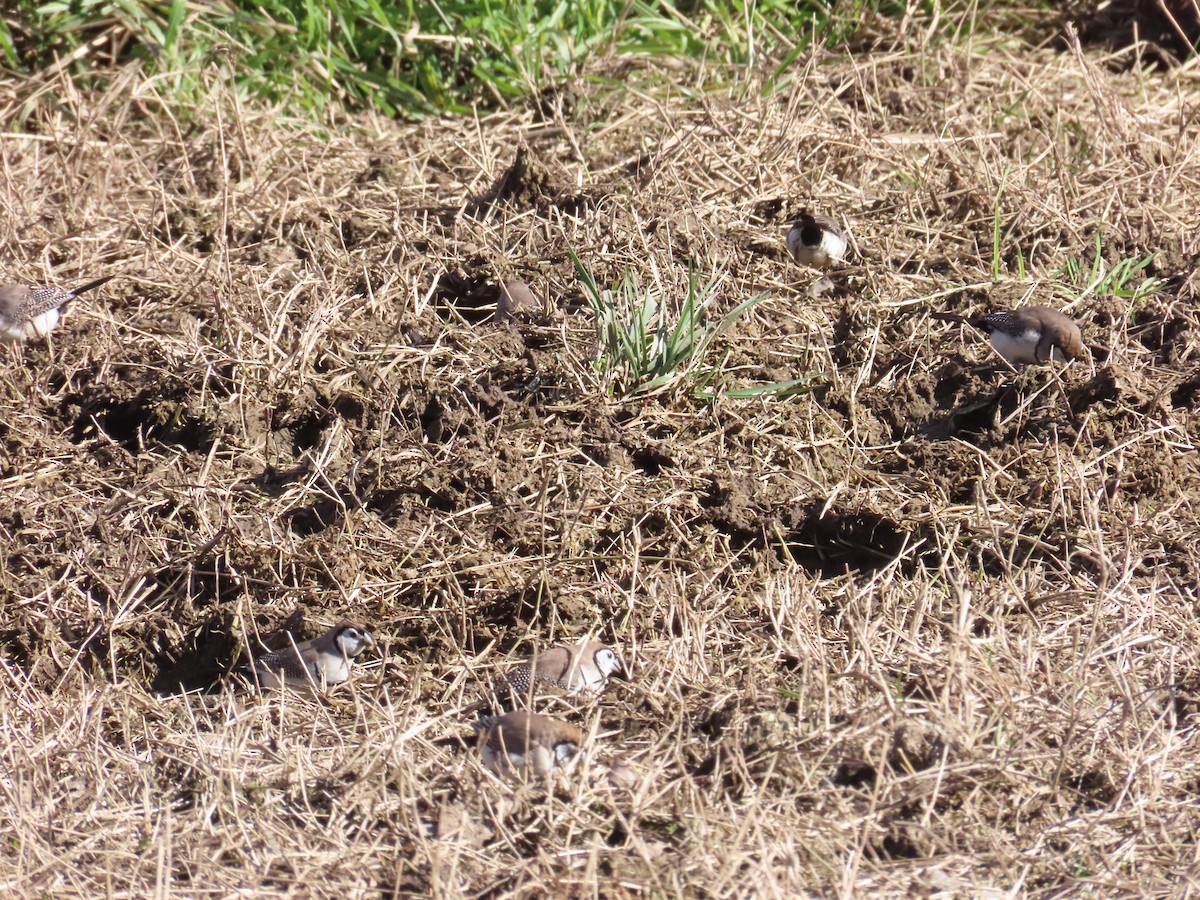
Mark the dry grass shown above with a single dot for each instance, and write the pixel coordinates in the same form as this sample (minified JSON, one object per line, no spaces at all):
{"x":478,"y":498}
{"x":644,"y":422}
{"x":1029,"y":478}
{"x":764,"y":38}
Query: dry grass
{"x":930,"y":628}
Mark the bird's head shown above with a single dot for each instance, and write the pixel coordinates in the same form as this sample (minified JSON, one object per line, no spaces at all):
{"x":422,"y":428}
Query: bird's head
{"x":610,"y":664}
{"x":353,"y":639}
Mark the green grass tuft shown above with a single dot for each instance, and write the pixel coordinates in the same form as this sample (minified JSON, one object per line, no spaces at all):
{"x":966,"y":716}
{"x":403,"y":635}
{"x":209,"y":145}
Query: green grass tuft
{"x":643,"y":349}
{"x":400,"y":58}
{"x":1125,"y":279}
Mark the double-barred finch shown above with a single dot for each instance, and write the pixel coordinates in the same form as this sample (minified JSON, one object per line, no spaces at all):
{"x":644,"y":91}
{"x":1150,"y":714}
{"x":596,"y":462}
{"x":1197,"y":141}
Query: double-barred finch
{"x":316,"y":664}
{"x":524,"y":740}
{"x":583,"y":669}
{"x":32,"y":312}
{"x":1034,"y":334}
{"x":817,"y":241}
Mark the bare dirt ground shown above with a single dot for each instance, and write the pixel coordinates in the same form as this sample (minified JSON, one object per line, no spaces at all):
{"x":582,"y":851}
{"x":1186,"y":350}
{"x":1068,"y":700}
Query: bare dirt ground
{"x":926,"y":628}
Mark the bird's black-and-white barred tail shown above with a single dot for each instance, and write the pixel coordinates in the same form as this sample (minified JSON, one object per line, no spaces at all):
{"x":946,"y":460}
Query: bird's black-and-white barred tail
{"x":42,"y":300}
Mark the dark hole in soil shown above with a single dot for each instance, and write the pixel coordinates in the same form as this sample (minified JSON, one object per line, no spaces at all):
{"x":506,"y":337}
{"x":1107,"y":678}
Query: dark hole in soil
{"x":651,"y":460}
{"x":862,"y":541}
{"x":1095,"y":788}
{"x":206,"y":654}
{"x":854,"y":774}
{"x":1186,"y":394}
{"x":896,"y":846}
{"x":307,"y":431}
{"x":713,"y":724}
{"x":155,"y":415}
{"x":470,"y":297}
{"x":305,"y":521}
{"x":433,"y":420}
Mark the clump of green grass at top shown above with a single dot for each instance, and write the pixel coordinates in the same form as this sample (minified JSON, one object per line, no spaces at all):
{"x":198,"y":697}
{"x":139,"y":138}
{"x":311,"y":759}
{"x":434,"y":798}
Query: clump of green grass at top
{"x":645,"y":347}
{"x":409,"y":57}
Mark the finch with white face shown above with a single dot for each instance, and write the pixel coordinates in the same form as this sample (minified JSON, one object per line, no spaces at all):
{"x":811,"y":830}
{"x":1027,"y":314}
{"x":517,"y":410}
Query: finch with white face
{"x":315,"y":664}
{"x":1028,"y":336}
{"x":583,"y":669}
{"x":526,"y":741}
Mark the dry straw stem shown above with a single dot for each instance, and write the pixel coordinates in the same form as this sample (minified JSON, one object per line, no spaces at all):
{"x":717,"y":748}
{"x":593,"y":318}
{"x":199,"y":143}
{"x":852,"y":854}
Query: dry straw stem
{"x":930,"y":627}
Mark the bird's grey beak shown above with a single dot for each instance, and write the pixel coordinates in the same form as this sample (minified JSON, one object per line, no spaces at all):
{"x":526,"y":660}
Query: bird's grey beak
{"x":369,"y":639}
{"x":620,"y":671}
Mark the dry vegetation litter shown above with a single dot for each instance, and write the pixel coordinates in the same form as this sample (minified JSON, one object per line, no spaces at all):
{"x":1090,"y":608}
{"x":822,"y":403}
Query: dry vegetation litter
{"x":918,"y":626}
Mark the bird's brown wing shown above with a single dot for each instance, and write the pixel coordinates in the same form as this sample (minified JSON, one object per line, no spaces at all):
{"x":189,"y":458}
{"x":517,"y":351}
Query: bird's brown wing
{"x":554,"y":667}
{"x":827,"y":223}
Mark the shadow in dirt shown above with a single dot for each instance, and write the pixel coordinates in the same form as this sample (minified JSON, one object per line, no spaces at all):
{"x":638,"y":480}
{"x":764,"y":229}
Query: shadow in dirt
{"x":138,"y":414}
{"x":469,"y":297}
{"x":1155,"y":25}
{"x":832,"y":542}
{"x":208,"y":652}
